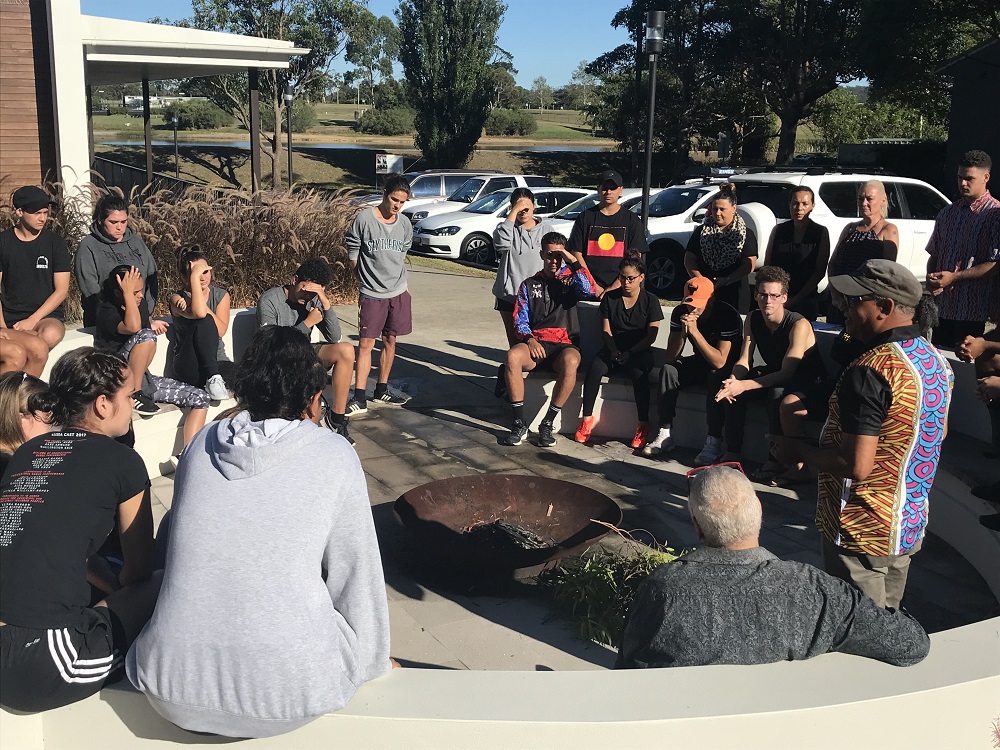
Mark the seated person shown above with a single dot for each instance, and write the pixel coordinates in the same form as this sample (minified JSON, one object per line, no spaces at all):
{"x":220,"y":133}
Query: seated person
{"x":714,"y":329}
{"x":67,"y":490}
{"x":547,"y":325}
{"x":985,"y":352}
{"x":34,"y":280}
{"x":303,"y":304}
{"x":123,"y":328}
{"x":630,"y":321}
{"x":258,"y":633}
{"x":201,"y":317}
{"x":733,"y":602}
{"x":25,"y":412}
{"x":792,"y":372}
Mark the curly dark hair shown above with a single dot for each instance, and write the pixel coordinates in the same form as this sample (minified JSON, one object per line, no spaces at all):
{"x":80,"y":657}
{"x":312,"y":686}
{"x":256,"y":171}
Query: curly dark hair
{"x":79,"y":377}
{"x":978,"y":159}
{"x":394,"y":183}
{"x":773,"y":275}
{"x":314,"y":269}
{"x":633,"y":259}
{"x":553,"y":238}
{"x":106,"y":205}
{"x":278,"y":374}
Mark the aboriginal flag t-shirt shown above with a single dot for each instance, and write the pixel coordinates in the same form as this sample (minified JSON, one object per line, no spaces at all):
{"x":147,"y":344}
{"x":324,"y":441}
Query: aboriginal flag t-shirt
{"x":604,"y":239}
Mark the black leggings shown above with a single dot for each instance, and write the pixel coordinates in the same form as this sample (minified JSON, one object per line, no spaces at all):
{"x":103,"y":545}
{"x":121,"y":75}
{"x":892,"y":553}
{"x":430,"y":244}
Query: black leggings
{"x":196,"y":350}
{"x":638,"y":367}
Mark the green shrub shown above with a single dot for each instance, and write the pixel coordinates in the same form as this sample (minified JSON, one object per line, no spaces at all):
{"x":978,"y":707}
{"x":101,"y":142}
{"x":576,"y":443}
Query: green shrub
{"x":303,"y":117}
{"x":197,"y":114}
{"x":510,"y":122}
{"x":385,"y":121}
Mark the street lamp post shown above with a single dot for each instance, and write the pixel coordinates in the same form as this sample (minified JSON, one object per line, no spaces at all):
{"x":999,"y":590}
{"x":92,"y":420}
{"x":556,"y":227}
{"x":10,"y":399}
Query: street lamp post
{"x":654,"y":45}
{"x":289,"y":97}
{"x":177,"y":161}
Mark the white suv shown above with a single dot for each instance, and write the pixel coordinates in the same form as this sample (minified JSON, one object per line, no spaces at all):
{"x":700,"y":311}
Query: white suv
{"x":913,"y":206}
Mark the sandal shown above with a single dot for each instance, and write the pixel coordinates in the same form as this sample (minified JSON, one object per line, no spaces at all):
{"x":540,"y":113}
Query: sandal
{"x":793,"y":478}
{"x":768,"y":473}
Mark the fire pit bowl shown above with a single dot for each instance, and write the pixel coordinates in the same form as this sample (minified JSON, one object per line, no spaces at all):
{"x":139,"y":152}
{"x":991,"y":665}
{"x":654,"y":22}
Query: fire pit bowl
{"x":502,"y":522}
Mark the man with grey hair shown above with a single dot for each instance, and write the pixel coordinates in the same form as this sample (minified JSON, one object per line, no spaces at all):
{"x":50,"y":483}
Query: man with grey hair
{"x":733,"y":602}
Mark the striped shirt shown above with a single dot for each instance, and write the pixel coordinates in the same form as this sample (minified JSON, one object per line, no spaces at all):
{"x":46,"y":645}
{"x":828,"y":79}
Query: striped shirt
{"x":963,"y":238}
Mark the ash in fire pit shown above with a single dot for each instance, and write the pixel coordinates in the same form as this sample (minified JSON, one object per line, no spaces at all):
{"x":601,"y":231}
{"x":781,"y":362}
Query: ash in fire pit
{"x":498,"y":522}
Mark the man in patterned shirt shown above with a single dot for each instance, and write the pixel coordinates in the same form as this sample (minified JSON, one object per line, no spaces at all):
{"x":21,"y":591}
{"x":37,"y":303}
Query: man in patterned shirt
{"x":881,"y":444}
{"x":962,"y":254}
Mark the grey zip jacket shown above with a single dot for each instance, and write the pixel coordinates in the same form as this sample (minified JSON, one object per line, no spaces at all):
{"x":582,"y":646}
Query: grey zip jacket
{"x":273,"y":609}
{"x":519,"y":256}
{"x":98,"y":254}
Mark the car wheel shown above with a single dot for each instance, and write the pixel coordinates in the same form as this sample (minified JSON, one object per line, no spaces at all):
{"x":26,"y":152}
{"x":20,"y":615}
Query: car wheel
{"x":477,"y":248}
{"x":665,"y":274}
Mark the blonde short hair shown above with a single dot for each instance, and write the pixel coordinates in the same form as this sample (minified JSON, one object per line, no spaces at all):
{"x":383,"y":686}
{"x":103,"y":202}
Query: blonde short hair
{"x":880,"y":187}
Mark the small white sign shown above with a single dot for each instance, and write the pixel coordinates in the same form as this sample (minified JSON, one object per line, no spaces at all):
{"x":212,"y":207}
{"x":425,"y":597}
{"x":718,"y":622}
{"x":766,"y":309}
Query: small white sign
{"x":388,"y":164}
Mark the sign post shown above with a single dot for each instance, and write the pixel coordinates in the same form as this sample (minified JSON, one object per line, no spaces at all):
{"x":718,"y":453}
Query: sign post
{"x":387,"y":164}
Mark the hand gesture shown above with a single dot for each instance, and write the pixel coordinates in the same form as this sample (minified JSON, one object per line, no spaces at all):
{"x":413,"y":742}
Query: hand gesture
{"x":522,"y":208}
{"x":689,"y":322}
{"x":938,"y":281}
{"x":988,"y":388}
{"x":621,"y":357}
{"x":180,"y":302}
{"x":128,"y":282}
{"x":535,"y":349}
{"x":970,"y":349}
{"x":198,"y":267}
{"x":731,"y":388}
{"x":159,"y":327}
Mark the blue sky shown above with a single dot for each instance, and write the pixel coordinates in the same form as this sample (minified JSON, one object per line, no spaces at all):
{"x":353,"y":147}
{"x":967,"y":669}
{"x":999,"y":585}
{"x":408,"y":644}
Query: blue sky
{"x":546,"y":38}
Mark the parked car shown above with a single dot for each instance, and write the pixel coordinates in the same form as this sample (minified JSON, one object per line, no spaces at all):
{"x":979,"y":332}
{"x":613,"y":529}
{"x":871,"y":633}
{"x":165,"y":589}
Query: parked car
{"x":427,"y":186}
{"x":562,"y":220}
{"x":913,"y":206}
{"x":470,"y":191}
{"x":468,"y":234}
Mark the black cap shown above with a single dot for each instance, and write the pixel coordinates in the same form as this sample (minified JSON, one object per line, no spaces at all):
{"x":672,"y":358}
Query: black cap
{"x":883,"y":278}
{"x":30,"y":199}
{"x":610,"y":176}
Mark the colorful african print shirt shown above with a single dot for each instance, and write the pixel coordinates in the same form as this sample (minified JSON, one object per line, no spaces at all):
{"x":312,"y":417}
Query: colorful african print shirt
{"x":963,"y":238}
{"x":899,"y":390}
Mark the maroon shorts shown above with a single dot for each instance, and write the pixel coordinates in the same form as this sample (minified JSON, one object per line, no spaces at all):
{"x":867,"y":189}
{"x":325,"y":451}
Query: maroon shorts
{"x":384,"y":317}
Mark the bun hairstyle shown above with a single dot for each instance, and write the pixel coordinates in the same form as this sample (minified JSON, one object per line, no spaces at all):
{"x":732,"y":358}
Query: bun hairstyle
{"x":727,"y":191}
{"x":633,"y":259}
{"x":186,"y":255}
{"x":21,"y":393}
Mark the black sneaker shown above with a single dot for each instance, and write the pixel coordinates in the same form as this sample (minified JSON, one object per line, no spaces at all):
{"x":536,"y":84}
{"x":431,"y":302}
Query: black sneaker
{"x":516,"y":436}
{"x":143,"y":404}
{"x":339,"y":427}
{"x":356,"y":407}
{"x":545,"y":437}
{"x":388,"y":397}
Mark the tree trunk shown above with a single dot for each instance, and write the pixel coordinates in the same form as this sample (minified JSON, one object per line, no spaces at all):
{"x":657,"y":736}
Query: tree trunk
{"x":276,"y":145}
{"x":786,"y":138}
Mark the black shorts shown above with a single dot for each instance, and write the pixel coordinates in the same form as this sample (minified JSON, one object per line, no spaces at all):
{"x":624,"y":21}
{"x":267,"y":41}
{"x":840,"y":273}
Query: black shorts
{"x":815,"y":394}
{"x":10,"y":318}
{"x":44,"y":669}
{"x":552,"y":350}
{"x":503,"y":305}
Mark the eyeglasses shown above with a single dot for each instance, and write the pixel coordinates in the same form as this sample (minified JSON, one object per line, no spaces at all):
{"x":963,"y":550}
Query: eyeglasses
{"x":628,"y":279}
{"x":765,"y":295}
{"x":697,"y":470}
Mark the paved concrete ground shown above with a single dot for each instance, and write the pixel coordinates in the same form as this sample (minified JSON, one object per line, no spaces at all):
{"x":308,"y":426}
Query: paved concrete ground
{"x":450,"y":427}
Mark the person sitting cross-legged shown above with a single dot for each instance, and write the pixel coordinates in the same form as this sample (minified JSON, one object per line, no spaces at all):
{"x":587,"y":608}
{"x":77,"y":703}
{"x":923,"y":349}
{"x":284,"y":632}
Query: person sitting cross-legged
{"x":714,"y":330}
{"x":730,"y":601}
{"x":630,"y":319}
{"x":546,"y":321}
{"x":303,"y":305}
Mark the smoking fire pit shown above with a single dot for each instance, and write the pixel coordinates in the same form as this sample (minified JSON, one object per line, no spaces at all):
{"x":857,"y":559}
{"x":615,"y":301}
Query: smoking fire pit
{"x":501,"y":523}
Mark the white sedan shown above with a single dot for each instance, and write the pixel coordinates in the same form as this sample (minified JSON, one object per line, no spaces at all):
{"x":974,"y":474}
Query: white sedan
{"x":468,"y":234}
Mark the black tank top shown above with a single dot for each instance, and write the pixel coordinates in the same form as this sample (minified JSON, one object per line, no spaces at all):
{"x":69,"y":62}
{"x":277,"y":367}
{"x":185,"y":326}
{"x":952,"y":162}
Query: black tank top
{"x":854,"y":250}
{"x":773,"y":345}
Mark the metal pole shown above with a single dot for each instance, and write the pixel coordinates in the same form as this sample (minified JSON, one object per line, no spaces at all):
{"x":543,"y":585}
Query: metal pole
{"x":288,"y":127}
{"x":147,"y":133}
{"x":177,"y":161}
{"x":647,"y":181}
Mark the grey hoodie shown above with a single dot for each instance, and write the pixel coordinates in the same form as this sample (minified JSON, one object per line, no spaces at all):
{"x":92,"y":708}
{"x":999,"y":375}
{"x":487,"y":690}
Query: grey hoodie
{"x":98,"y":254}
{"x":519,"y":253}
{"x":273,"y":609}
{"x":380,"y":250}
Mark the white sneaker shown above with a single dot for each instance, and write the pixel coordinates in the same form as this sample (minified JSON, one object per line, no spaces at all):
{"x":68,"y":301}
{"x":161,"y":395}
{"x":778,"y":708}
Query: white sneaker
{"x":711,"y":453}
{"x":216,"y":387}
{"x":662,"y":443}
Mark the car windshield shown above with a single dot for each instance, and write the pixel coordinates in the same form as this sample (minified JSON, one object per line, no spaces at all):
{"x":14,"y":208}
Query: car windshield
{"x":673,"y":201}
{"x":468,"y":190}
{"x":425,"y":186}
{"x":489,"y":204}
{"x":576,"y":208}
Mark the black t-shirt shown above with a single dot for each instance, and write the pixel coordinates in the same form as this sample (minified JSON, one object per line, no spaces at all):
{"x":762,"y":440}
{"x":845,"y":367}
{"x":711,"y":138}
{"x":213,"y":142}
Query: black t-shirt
{"x":603,"y":241}
{"x":629,"y":326}
{"x":109,"y":316}
{"x":721,"y":322}
{"x":58,"y":503}
{"x":28,"y":270}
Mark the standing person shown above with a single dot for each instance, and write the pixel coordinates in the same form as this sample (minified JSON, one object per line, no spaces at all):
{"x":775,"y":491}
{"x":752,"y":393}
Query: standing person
{"x":801,"y":247}
{"x":630,"y":320}
{"x":601,"y":234}
{"x":548,"y":330}
{"x":724,"y":249}
{"x":112,"y":243}
{"x":34,"y":280}
{"x":962,"y":253}
{"x":785,"y":341}
{"x":256,"y":650}
{"x":200,"y":312}
{"x":517,"y":241}
{"x":303,"y":305}
{"x":377,"y":244}
{"x":714,"y":330}
{"x":881,"y":444}
{"x":67,"y":490}
{"x":871,"y":237}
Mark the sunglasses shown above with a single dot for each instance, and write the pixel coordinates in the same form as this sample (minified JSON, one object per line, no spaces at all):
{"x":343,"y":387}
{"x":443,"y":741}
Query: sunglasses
{"x":697,"y":470}
{"x":857,"y":299}
{"x":628,"y":279}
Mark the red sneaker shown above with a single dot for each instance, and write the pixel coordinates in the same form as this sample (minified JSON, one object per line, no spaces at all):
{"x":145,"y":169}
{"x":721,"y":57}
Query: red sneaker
{"x":586,"y":427}
{"x":641,"y":436}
